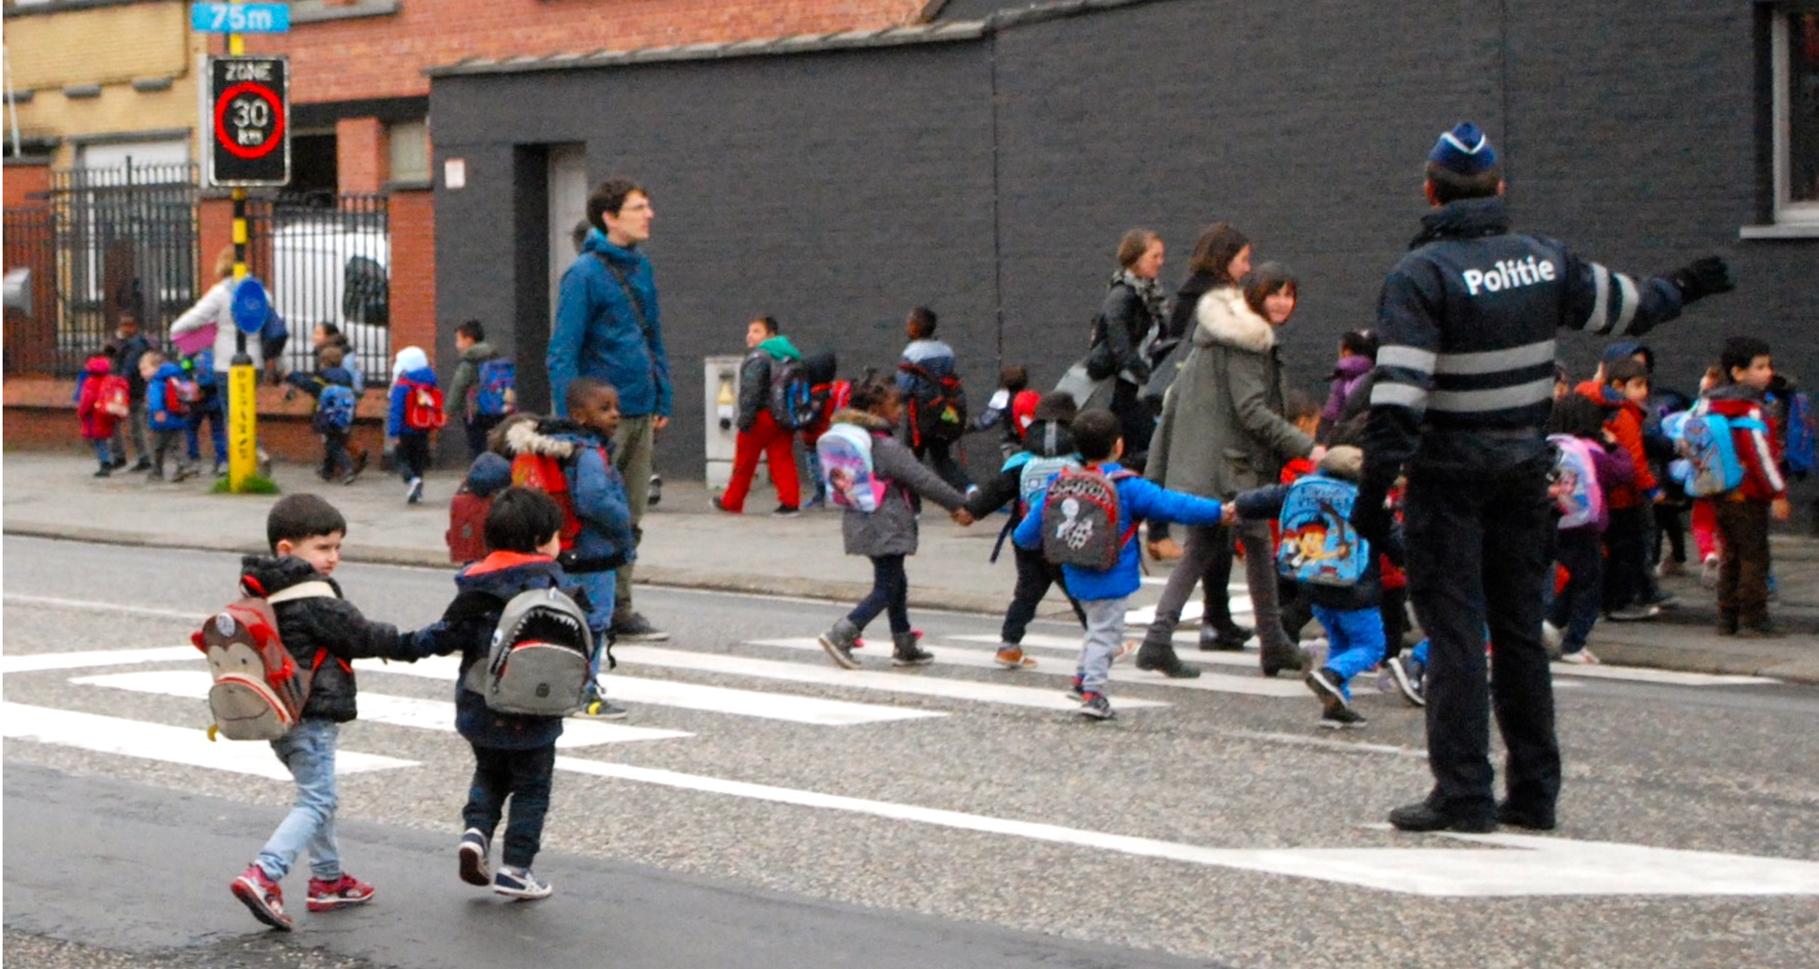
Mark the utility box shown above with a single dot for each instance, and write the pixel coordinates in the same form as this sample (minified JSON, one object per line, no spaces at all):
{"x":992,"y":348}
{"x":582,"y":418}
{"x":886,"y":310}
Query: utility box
{"x":720,"y":389}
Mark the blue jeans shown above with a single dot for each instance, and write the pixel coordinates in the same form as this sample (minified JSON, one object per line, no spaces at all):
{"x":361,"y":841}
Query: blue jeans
{"x":213,"y":408}
{"x":104,"y":454}
{"x":524,"y":777}
{"x":1575,"y":609}
{"x":1355,"y":641}
{"x":600,"y":587}
{"x":309,"y":752}
{"x":890,"y":594}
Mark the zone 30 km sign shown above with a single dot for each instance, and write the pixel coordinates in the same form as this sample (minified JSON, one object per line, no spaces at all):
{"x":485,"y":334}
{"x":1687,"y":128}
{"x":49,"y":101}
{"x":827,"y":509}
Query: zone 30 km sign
{"x":248,"y":116}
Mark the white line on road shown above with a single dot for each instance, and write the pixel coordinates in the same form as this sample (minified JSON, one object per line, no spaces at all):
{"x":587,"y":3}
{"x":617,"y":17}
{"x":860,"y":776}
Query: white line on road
{"x":1512,"y":865}
{"x":1122,"y":672}
{"x":1021,"y":696}
{"x":33,"y":662}
{"x":397,"y":711}
{"x":790,"y":708}
{"x":91,"y":605}
{"x":189,"y":746}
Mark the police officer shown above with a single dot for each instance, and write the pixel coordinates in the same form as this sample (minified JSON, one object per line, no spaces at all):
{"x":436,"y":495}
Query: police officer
{"x":1464,"y":385}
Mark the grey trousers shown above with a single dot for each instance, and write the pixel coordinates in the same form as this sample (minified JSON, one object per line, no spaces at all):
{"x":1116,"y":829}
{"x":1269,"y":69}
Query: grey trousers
{"x":1104,"y":634}
{"x":1260,"y":575}
{"x":1206,"y":559}
{"x":632,"y":452}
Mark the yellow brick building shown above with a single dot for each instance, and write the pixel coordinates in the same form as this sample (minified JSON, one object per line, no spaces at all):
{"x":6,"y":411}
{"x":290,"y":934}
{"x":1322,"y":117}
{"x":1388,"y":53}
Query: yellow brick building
{"x":102,"y":80}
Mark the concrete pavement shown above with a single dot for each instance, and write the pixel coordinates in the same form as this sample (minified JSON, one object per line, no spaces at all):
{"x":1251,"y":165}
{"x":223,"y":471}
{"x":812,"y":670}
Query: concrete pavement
{"x":688,"y":544}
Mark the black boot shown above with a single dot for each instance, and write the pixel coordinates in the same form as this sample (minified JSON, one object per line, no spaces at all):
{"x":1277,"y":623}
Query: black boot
{"x":1160,"y":656}
{"x":1229,"y":637}
{"x":1275,"y":659}
{"x":906,"y":652}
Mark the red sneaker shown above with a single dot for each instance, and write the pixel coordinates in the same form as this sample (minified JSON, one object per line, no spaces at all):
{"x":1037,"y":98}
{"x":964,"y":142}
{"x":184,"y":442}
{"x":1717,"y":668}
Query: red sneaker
{"x":262,"y":897}
{"x":344,"y":892}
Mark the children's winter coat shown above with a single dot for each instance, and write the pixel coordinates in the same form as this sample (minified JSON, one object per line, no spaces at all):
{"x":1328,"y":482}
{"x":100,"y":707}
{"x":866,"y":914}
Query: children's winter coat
{"x":1045,"y":439}
{"x":595,"y":488}
{"x":1758,"y":451}
{"x":1343,"y":463}
{"x":1625,"y":423}
{"x":97,"y":423}
{"x":1138,"y":500}
{"x":467,"y":627}
{"x":892,"y":529}
{"x":158,"y":396}
{"x":401,"y":391}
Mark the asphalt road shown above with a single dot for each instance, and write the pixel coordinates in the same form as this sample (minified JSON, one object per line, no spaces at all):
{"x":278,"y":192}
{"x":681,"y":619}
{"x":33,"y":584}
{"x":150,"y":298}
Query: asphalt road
{"x":930,"y":818}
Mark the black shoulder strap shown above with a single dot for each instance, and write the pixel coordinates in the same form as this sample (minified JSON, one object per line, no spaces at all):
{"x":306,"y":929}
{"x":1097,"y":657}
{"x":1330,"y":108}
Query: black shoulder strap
{"x":626,"y":284}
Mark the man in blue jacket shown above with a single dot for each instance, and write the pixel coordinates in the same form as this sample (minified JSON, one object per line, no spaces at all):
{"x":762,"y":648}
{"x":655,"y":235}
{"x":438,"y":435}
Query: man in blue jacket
{"x":608,"y":327}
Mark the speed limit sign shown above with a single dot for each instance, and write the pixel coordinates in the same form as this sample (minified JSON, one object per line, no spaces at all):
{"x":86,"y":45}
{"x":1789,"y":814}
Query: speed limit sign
{"x":247,"y":114}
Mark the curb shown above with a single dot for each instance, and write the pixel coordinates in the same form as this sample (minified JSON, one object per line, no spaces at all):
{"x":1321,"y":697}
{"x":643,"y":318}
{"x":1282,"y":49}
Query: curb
{"x":1679,"y":660}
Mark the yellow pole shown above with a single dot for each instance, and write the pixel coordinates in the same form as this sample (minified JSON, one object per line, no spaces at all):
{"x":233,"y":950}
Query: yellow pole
{"x":243,"y":377}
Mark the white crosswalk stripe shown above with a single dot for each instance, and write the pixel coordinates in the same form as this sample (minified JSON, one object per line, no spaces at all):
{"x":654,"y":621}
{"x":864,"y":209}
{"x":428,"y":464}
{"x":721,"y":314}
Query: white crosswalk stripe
{"x":397,"y":711}
{"x":188,"y":746}
{"x":951,"y":654}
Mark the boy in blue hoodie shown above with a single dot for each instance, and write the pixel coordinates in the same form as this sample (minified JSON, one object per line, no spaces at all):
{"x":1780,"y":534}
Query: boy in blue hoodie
{"x":1104,"y":593}
{"x":598,"y":522}
{"x":166,"y":412}
{"x":514,"y":755}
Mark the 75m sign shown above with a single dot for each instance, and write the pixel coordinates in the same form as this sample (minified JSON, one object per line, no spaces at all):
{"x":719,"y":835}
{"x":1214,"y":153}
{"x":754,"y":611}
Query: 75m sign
{"x":246,"y":112}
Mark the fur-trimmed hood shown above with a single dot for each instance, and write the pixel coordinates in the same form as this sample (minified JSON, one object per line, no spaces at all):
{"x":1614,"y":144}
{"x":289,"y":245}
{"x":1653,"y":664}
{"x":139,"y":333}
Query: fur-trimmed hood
{"x":1226,"y":319}
{"x":865,"y":419}
{"x":551,"y":437}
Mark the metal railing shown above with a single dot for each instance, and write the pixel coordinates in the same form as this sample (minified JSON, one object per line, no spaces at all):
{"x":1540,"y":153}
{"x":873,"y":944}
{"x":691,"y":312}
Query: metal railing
{"x":327,"y":260}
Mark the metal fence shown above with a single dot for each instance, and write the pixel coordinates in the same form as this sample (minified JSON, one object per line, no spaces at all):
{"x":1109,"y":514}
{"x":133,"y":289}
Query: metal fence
{"x":327,"y":260}
{"x":126,"y":240}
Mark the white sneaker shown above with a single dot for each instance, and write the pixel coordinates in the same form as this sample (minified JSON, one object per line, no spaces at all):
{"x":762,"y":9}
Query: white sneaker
{"x":1708,"y":572}
{"x":414,"y":493}
{"x":1583,"y":657}
{"x":1551,"y":636}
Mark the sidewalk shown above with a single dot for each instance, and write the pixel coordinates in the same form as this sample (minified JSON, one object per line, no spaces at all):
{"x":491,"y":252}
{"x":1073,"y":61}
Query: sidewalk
{"x":688,"y":544}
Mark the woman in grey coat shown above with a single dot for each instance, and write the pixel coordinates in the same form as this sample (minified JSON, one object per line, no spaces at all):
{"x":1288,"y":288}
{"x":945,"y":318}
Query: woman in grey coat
{"x":1223,"y":432}
{"x":888,"y":534}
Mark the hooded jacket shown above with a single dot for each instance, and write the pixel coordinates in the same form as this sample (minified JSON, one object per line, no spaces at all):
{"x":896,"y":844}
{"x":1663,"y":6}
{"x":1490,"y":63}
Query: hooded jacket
{"x":158,"y":415}
{"x":327,"y":634}
{"x":1138,"y":501}
{"x":467,"y":374}
{"x":892,"y":529}
{"x":1345,"y":464}
{"x":488,"y":475}
{"x":1348,"y":377}
{"x":601,"y":333}
{"x":412,"y":365}
{"x":1045,"y":439}
{"x":1222,"y":429}
{"x":97,"y":423}
{"x":1759,"y":451}
{"x":467,"y":625}
{"x":1624,"y":421}
{"x":755,"y":377}
{"x":595,"y":489}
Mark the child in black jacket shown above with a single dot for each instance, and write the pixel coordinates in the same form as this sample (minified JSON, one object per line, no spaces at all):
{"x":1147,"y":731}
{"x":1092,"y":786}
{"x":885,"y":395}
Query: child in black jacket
{"x":1047,"y":447}
{"x":323,"y":632}
{"x":514,"y":755}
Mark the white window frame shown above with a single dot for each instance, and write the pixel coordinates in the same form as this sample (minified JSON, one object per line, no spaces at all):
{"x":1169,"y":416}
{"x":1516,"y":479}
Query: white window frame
{"x":1787,"y":211}
{"x":415,"y":133}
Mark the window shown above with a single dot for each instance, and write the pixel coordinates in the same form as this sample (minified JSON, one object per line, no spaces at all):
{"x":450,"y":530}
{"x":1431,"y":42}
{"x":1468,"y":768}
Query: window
{"x":1795,"y":36}
{"x":409,"y":141}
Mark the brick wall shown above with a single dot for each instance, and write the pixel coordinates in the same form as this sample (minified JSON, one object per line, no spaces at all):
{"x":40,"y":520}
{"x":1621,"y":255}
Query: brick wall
{"x":385,"y":56}
{"x":413,"y":271}
{"x":23,"y":181}
{"x":361,"y":160}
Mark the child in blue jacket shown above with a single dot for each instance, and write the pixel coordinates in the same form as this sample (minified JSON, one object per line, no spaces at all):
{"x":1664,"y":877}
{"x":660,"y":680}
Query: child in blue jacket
{"x":1104,"y":593}
{"x":166,"y":412}
{"x":410,"y":372}
{"x":602,"y":535}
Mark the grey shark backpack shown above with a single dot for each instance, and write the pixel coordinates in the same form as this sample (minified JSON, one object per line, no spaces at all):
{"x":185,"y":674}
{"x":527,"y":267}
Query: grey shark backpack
{"x":540,"y":657}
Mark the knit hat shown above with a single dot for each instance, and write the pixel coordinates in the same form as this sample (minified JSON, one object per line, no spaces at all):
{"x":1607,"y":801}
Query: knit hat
{"x":1465,"y":150}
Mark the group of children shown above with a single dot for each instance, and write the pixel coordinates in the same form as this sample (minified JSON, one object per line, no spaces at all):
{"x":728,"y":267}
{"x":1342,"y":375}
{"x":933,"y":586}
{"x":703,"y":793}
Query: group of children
{"x":131,"y":390}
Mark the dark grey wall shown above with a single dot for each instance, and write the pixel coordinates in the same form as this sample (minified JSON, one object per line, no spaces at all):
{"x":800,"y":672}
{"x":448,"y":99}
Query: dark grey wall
{"x":835,"y":190}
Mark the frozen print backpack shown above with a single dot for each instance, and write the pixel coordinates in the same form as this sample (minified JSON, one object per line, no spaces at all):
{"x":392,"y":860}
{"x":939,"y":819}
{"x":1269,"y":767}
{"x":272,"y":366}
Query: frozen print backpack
{"x":1081,"y":521}
{"x":846,"y":458}
{"x":540,"y":659}
{"x":1576,"y":489}
{"x":1319,"y":546}
{"x":259,"y":688}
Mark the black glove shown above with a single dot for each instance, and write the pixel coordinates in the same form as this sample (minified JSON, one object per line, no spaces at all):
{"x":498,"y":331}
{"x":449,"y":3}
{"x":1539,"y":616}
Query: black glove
{"x":1703,"y":277}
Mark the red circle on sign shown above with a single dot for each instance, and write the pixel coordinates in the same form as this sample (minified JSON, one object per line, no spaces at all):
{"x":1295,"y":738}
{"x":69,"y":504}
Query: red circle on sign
{"x":269,"y":97}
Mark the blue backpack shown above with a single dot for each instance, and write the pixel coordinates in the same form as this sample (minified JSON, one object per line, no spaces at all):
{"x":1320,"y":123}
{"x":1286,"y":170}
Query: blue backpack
{"x":335,"y":408}
{"x":1319,"y":546}
{"x":495,"y":391}
{"x":1709,"y":464}
{"x":1800,"y":433}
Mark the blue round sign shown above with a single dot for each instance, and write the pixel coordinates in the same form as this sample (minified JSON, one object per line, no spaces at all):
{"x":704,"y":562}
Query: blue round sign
{"x":251,"y":306}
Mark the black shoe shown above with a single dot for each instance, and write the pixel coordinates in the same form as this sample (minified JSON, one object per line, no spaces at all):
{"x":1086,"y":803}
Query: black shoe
{"x":143,"y":464}
{"x":1274,"y":661}
{"x":1161,"y":658}
{"x":787,"y":511}
{"x":1329,"y":687}
{"x":1342,"y":718}
{"x":117,"y":464}
{"x":1420,"y":817}
{"x":472,"y":852}
{"x":1229,"y":639}
{"x":906,"y":652}
{"x":1515,"y":817}
{"x":634,"y":628}
{"x":1094,"y":706}
{"x":105,"y":471}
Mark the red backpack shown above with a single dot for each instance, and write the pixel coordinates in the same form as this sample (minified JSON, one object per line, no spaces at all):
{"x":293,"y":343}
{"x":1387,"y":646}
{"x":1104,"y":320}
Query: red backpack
{"x":422,"y":406}
{"x":259,"y":689}
{"x":466,"y":535}
{"x":544,"y":473}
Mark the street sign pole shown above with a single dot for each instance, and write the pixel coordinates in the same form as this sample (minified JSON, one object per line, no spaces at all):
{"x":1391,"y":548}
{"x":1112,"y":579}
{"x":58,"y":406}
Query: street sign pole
{"x":242,"y":379}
